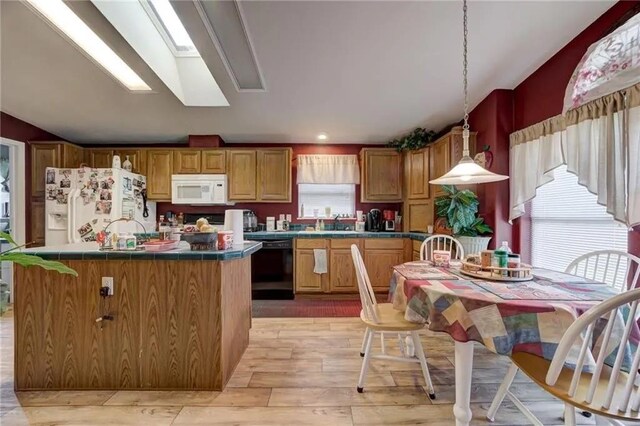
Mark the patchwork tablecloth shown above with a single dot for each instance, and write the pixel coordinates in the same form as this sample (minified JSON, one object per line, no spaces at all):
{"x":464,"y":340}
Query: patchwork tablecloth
{"x":528,"y":316}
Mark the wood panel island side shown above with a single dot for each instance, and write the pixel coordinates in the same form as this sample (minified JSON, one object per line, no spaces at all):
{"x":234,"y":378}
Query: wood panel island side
{"x":181,"y":319}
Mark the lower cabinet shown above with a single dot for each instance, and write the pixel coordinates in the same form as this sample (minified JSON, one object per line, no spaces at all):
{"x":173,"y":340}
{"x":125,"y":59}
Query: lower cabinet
{"x":37,"y":223}
{"x":380,"y":256}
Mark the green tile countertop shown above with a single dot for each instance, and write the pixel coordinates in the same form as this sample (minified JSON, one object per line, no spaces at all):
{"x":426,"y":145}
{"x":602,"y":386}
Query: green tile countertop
{"x":89,"y":251}
{"x":284,"y":235}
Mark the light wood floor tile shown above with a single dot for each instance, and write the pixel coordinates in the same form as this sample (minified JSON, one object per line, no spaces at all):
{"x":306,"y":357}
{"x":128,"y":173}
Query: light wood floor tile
{"x":243,"y":397}
{"x":91,"y":415}
{"x":307,"y":380}
{"x":256,"y":416}
{"x":326,"y":397}
{"x":240,"y":379}
{"x":163,"y":398}
{"x":299,"y":343}
{"x":267,"y":353}
{"x":484,"y":392}
{"x":326,"y":334}
{"x":403,"y":415}
{"x":326,"y":352}
{"x":293,"y":325}
{"x":48,"y":398}
{"x":264,"y":334}
{"x":446,"y":377}
{"x":355,"y":364}
{"x":274,"y":365}
{"x":488,"y":361}
{"x":335,"y":320}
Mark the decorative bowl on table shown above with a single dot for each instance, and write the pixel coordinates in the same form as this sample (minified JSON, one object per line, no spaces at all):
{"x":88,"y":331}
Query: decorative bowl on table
{"x":201,"y":241}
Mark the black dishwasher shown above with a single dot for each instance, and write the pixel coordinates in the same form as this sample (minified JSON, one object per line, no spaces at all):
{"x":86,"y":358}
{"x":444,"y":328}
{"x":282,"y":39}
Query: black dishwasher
{"x":272,"y":270}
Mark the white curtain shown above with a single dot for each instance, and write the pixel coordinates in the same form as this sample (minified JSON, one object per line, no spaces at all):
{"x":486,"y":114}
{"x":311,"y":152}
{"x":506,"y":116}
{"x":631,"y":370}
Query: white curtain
{"x":599,"y":142}
{"x":328,"y":169}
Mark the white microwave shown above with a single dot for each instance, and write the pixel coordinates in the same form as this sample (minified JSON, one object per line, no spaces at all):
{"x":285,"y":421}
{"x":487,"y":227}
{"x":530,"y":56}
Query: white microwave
{"x":199,"y":189}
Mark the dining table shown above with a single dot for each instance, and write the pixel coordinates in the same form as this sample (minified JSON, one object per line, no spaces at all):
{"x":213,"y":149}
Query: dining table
{"x":505,"y":317}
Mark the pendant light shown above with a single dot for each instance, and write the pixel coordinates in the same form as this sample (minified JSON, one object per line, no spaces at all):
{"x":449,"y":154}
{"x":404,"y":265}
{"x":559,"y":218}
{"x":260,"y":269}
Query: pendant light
{"x":466,"y":171}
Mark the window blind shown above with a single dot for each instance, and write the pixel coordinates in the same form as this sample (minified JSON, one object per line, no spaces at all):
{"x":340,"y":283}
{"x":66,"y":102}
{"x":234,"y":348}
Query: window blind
{"x":340,"y":197}
{"x":567,"y":222}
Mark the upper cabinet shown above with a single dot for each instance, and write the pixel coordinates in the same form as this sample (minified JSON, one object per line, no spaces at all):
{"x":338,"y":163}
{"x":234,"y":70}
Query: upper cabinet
{"x":242,"y":174}
{"x":72,"y":156}
{"x":274,"y":175}
{"x":159,"y":170}
{"x":381,"y":175}
{"x":43,"y":155}
{"x":186,"y":161}
{"x":213,"y":161}
{"x":446,"y":152}
{"x":417,"y":174}
{"x":99,"y":158}
{"x":261,"y":175}
{"x":137,"y":157}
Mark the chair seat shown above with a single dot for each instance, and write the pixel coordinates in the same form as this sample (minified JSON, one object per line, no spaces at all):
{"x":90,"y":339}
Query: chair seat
{"x":536,"y":368}
{"x":390,"y":320}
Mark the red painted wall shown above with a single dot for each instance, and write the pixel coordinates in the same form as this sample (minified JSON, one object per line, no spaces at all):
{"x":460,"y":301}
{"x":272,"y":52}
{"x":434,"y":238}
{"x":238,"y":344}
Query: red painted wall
{"x":539,"y":97}
{"x":493,"y":120}
{"x":263,"y":210}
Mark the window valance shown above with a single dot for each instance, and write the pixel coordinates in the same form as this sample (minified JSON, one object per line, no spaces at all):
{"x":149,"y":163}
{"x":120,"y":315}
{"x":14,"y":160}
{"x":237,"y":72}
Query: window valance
{"x":328,"y":169}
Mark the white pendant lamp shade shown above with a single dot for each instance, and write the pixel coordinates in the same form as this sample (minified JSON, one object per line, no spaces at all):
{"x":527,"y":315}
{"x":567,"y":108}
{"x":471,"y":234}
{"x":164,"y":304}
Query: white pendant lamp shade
{"x":466,"y":171}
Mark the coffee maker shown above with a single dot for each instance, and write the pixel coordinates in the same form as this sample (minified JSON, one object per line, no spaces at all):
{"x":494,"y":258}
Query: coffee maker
{"x":389,"y":220}
{"x":374,"y":221}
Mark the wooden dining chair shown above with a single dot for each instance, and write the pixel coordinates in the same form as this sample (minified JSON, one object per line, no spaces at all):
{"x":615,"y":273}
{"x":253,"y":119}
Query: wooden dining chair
{"x":441,"y":242}
{"x":380,"y":318}
{"x":604,"y":390}
{"x":612,"y":267}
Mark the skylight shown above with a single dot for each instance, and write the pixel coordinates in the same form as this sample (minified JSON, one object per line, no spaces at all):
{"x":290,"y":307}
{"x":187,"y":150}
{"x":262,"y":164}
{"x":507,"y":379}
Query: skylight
{"x":170,"y":27}
{"x":64,"y":19}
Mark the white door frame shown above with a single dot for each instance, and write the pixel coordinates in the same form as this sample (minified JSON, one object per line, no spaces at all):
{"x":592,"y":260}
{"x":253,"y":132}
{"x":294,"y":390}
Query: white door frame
{"x":17,"y":208}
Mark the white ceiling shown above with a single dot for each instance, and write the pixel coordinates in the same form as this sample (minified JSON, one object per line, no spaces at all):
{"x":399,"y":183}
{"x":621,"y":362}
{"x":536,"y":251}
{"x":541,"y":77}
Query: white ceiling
{"x":363,"y":72}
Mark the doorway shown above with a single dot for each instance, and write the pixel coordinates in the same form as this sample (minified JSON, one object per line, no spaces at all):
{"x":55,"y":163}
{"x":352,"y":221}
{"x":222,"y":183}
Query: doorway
{"x":12,"y":201}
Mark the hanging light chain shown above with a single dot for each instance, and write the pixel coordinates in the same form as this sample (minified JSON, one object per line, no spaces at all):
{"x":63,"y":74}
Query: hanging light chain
{"x":464,"y":65}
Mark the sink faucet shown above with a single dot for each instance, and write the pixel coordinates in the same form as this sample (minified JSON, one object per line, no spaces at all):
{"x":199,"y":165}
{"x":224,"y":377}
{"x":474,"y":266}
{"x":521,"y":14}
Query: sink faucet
{"x":336,"y":223}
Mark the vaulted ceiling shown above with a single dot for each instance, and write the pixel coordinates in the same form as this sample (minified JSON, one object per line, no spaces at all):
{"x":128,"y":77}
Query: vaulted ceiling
{"x":361,"y":71}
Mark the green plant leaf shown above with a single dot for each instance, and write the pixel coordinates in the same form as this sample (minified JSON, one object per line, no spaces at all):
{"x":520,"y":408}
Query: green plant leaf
{"x":28,"y":260}
{"x":8,"y":238}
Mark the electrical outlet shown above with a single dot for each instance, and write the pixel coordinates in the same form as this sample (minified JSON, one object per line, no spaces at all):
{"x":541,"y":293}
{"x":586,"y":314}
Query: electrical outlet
{"x":108,"y":282}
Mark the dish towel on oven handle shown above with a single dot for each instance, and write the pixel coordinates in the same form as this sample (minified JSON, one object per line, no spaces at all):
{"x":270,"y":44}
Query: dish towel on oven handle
{"x":320,"y":261}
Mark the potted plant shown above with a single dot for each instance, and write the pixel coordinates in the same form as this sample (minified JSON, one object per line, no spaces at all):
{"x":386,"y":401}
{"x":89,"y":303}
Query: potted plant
{"x":414,"y":140}
{"x":27,"y":260}
{"x":460,"y":209}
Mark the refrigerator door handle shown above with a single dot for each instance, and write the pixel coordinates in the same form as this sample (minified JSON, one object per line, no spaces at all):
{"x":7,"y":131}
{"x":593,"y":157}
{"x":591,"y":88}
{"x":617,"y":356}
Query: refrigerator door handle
{"x":72,"y":217}
{"x":69,"y":213}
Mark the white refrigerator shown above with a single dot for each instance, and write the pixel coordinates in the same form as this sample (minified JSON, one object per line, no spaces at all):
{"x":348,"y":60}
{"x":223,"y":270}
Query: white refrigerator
{"x":81,"y":202}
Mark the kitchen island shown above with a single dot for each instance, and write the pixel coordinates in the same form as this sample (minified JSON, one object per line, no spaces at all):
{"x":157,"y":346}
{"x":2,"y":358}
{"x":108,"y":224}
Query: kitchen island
{"x":177,"y":320}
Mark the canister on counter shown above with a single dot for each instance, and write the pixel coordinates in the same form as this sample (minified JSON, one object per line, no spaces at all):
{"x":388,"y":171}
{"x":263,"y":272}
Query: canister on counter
{"x":225,"y":240}
{"x":485,"y":258}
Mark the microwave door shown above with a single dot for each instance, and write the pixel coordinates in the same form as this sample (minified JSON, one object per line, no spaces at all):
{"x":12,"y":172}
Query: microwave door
{"x":191,"y":193}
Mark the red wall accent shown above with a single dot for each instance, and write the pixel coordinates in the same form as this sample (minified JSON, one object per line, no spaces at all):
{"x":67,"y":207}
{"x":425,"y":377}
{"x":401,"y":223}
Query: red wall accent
{"x":539,"y":97}
{"x":263,"y":210}
{"x":493,"y":120}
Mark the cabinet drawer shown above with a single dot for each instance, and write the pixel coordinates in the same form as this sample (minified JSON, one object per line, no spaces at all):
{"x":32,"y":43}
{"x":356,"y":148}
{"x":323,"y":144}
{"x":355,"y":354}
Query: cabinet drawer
{"x":344,"y":242}
{"x":311,"y":243}
{"x":383,"y":243}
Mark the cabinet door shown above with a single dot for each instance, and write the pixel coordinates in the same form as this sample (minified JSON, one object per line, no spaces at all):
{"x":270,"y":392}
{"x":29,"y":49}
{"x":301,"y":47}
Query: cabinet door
{"x":379,"y":264}
{"x":213,"y":161}
{"x":418,"y":215}
{"x":72,"y":156}
{"x":440,"y":161}
{"x":342,"y":273}
{"x":306,"y":280}
{"x":159,"y":165}
{"x":381,"y":175}
{"x":241,"y":169}
{"x":186,"y":161}
{"x":42,"y":156}
{"x":37,"y":223}
{"x":136,"y":156}
{"x":274,"y":175}
{"x":100,"y":158}
{"x":418,"y":179}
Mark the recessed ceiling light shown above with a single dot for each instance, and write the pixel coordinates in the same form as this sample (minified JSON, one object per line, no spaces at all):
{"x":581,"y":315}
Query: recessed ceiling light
{"x":322,"y":136}
{"x":63,"y":18}
{"x":170,"y":27}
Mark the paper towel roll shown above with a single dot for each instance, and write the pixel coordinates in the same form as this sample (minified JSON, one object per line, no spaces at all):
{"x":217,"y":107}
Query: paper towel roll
{"x":233,"y":221}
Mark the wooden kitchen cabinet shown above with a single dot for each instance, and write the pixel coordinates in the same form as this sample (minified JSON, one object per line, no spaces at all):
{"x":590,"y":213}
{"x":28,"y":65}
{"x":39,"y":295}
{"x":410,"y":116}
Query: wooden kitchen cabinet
{"x":159,"y":169}
{"x":43,"y":155}
{"x":417,"y":167}
{"x":306,"y":280}
{"x":137,"y":157}
{"x":37,"y":223}
{"x":342,"y":273}
{"x":379,"y":264}
{"x":418,"y":215}
{"x":186,"y":161}
{"x":213,"y":161}
{"x":242,"y":174}
{"x":72,"y":156}
{"x":274,"y":175}
{"x":100,"y":158}
{"x":381,"y":175}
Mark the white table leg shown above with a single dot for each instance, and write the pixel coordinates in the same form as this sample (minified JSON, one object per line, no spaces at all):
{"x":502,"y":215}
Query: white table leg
{"x":464,"y":366}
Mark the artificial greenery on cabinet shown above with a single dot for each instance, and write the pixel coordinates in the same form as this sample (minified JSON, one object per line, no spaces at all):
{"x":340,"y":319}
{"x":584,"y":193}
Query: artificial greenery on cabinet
{"x":418,"y":138}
